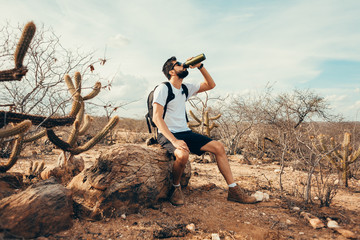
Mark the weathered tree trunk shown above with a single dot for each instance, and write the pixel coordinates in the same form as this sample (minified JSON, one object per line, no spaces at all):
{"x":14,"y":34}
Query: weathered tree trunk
{"x":43,"y":208}
{"x":9,"y":183}
{"x":124,"y":179}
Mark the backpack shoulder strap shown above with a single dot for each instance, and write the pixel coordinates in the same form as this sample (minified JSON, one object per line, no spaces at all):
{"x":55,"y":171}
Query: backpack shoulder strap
{"x":185,"y":89}
{"x":170,"y":96}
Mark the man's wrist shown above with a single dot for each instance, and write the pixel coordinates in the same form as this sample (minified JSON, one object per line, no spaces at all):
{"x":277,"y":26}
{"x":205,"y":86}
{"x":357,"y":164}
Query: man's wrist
{"x":201,"y":66}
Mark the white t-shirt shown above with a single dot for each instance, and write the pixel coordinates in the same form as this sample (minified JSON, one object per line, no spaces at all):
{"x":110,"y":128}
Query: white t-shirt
{"x":175,"y":117}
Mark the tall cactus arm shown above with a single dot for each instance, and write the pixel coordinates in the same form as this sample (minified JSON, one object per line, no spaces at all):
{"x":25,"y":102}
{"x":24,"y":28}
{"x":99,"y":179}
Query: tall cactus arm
{"x":346,"y":144}
{"x":193,"y":125}
{"x":336,"y":152}
{"x":74,"y":133}
{"x":8,"y":117}
{"x":35,"y":137}
{"x":57,"y":141}
{"x":111,"y":124}
{"x":322,"y":148}
{"x":194,"y":117}
{"x":86,"y":125}
{"x":81,"y":113}
{"x":14,"y":74}
{"x":76,"y":126}
{"x":14,"y":154}
{"x":75,"y":151}
{"x":24,"y":43}
{"x":213,"y":125}
{"x":94,"y":92}
{"x":77,"y":80}
{"x":17,"y":129}
{"x":69,"y":84}
{"x":355,"y":156}
{"x":216,"y":117}
{"x":76,"y":105}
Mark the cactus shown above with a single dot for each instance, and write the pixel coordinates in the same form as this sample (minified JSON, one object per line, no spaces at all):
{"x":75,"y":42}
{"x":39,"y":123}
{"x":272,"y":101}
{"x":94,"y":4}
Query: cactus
{"x":340,"y":159}
{"x":8,"y":117}
{"x":35,"y":169}
{"x":205,"y":122}
{"x":19,"y":71}
{"x":35,"y":137}
{"x":94,"y":92}
{"x":77,"y":150}
{"x":24,"y":43}
{"x":82,"y":122}
{"x":19,"y":128}
{"x":14,"y":154}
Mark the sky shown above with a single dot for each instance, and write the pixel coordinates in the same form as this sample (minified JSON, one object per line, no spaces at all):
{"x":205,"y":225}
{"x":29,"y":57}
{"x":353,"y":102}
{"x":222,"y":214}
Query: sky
{"x":305,"y":44}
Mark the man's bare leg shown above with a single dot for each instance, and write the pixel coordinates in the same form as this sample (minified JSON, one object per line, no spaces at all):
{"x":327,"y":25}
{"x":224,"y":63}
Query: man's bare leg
{"x":235,"y":193}
{"x":181,"y":158}
{"x":221,"y":159}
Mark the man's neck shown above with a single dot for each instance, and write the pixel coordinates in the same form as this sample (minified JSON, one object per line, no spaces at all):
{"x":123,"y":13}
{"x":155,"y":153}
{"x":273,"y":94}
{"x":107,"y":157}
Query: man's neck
{"x":176,"y":82}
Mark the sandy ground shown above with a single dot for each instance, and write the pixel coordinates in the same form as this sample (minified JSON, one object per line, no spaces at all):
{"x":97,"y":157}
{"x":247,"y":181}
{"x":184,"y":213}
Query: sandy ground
{"x":210,"y":214}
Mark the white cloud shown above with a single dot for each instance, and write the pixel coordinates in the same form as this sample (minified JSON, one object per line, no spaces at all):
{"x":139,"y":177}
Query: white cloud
{"x":118,"y":41}
{"x":335,"y":98}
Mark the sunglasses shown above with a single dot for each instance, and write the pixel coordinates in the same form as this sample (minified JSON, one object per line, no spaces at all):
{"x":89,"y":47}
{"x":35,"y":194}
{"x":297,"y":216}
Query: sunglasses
{"x":176,"y":64}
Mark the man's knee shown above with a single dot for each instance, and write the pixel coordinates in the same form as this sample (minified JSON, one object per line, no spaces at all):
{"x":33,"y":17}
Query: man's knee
{"x":181,"y":156}
{"x":218,"y":148}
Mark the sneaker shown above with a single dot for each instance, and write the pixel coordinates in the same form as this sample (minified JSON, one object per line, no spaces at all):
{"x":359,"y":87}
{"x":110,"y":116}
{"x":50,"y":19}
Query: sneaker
{"x":177,"y":197}
{"x":236,"y":194}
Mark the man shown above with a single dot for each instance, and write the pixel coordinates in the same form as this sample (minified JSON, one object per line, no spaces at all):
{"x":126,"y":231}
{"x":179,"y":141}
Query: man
{"x":175,"y":136}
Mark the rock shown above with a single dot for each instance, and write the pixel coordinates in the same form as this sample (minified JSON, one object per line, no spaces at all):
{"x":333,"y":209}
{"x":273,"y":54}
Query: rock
{"x":123,"y":180}
{"x":332,"y":224}
{"x":43,"y":208}
{"x":215,"y":236}
{"x":313,"y":220}
{"x":260,"y":196}
{"x":346,"y":233}
{"x":190,"y":227}
{"x":296,"y":208}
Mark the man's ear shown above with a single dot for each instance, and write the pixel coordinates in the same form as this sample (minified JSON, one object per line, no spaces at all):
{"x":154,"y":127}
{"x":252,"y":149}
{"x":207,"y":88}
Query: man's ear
{"x":172,"y":72}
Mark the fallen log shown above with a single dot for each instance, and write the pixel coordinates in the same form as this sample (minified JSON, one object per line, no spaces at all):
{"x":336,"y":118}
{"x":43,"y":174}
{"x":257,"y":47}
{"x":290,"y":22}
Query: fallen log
{"x":122,"y":180}
{"x":43,"y":208}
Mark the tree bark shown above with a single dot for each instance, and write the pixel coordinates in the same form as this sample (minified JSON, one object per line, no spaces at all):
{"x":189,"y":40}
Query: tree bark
{"x":124,"y":179}
{"x":43,"y":208}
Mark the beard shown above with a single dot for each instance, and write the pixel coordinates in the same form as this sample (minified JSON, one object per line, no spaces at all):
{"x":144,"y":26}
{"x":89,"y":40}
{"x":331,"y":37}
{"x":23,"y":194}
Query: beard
{"x":182,"y":74}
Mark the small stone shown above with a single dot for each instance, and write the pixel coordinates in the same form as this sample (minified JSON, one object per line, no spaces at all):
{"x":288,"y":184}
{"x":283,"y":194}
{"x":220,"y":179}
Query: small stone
{"x":190,"y":227}
{"x":277,"y":170}
{"x":296,"y":208}
{"x":301,"y":233}
{"x":288,"y":222}
{"x":123,"y":216}
{"x":247,"y":223}
{"x":316,"y":198}
{"x":215,"y":236}
{"x":260,"y":196}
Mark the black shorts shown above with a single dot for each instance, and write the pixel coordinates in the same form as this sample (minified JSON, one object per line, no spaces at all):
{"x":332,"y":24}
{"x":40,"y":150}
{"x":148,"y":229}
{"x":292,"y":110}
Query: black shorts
{"x":194,"y":141}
